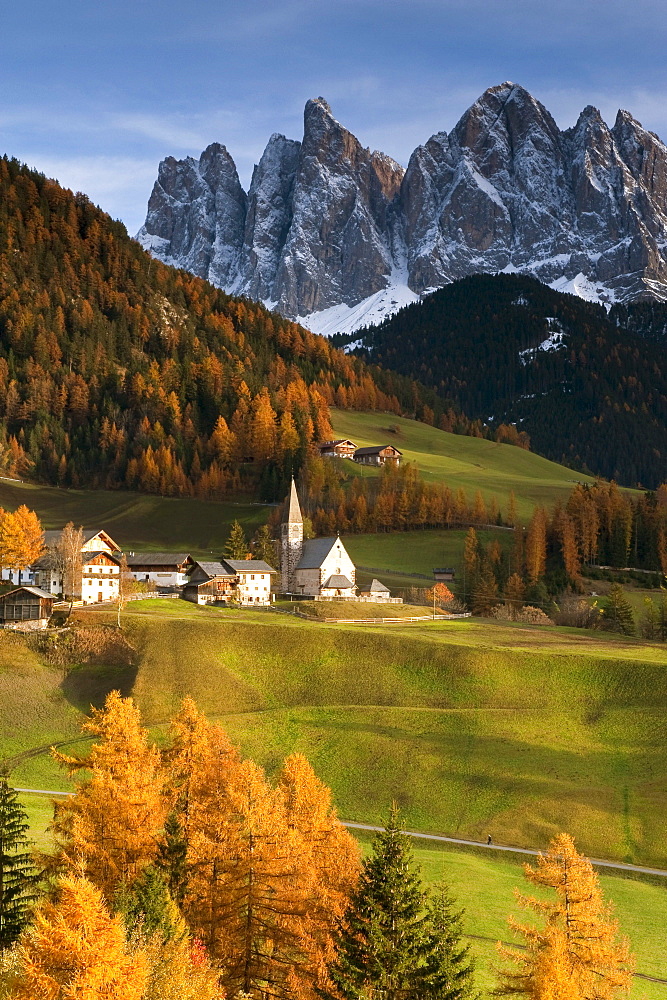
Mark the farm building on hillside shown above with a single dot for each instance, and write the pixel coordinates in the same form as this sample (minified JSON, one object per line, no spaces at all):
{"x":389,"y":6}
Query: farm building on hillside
{"x":342,"y":448}
{"x":378,"y":454}
{"x":444,"y":575}
{"x":161,"y":569}
{"x":26,"y":604}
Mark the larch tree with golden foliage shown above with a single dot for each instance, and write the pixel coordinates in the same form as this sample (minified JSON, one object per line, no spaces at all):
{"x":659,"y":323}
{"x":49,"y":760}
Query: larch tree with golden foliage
{"x":111,"y":825}
{"x":75,"y":950}
{"x":21,"y":539}
{"x":577,"y":954}
{"x":330,"y":859}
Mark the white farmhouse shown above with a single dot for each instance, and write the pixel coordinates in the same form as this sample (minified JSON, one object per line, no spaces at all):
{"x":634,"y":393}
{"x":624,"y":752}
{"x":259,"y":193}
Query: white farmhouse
{"x":100,"y":567}
{"x":253,"y":580}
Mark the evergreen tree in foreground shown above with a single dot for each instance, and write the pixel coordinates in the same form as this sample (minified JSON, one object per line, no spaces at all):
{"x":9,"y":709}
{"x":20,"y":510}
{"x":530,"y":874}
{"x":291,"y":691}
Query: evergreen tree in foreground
{"x":382,"y":947}
{"x":17,"y":875}
{"x":449,"y":966}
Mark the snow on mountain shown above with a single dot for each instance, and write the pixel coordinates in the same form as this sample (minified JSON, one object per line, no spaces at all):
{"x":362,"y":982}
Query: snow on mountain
{"x":340,"y":237}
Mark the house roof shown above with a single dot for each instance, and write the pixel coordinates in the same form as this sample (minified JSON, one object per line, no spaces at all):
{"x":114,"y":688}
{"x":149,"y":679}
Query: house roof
{"x":212,"y":569}
{"x":157,"y":558}
{"x":249,"y":566}
{"x":375,"y":587}
{"x":35,"y":591}
{"x":87,"y":557}
{"x":52,"y":536}
{"x":332,"y":444}
{"x":337,"y":582}
{"x":376,"y":449}
{"x":315,"y":551}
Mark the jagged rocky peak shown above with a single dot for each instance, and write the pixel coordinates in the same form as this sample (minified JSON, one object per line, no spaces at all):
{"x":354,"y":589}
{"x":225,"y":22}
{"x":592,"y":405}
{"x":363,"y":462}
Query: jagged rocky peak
{"x":328,"y":223}
{"x":196,"y":215}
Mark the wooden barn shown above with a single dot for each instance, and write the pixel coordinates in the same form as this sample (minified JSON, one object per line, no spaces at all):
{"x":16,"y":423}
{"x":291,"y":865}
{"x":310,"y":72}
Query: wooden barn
{"x":26,"y":604}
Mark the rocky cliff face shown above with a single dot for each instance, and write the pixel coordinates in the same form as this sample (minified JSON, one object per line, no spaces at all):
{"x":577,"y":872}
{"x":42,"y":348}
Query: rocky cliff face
{"x":328,"y":224}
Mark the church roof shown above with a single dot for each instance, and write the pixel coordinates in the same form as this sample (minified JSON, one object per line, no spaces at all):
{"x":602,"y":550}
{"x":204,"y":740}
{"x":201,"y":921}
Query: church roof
{"x":293,"y":510}
{"x":315,"y":551}
{"x":338,"y":582}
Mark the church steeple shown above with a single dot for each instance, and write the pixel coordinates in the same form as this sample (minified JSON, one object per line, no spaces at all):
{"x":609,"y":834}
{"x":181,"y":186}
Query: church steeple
{"x":294,"y":510}
{"x":291,"y":542}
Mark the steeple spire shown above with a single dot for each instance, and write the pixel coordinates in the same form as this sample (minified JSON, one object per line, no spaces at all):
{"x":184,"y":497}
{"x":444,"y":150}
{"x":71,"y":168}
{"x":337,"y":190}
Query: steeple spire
{"x":294,"y":510}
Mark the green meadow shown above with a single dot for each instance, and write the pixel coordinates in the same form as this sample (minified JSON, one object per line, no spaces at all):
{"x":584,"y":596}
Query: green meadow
{"x":139,"y":521}
{"x":473,"y":727}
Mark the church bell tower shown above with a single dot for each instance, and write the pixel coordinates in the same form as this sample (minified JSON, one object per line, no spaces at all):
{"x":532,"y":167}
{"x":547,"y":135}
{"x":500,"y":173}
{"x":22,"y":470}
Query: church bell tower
{"x":291,"y":540}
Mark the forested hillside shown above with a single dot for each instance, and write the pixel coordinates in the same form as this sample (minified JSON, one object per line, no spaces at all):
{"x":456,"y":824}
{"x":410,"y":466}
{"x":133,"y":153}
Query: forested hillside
{"x":116,"y":370}
{"x":589,"y":387}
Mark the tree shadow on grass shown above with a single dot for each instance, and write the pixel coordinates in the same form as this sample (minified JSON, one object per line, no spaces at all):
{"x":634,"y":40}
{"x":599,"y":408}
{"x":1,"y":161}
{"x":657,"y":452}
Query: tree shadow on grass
{"x":89,"y":685}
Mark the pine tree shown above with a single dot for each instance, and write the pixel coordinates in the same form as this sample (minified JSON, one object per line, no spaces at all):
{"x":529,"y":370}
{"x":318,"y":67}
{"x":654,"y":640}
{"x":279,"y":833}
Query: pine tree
{"x":381,"y":946}
{"x":576,"y":955}
{"x":264,"y":547}
{"x":236,"y":546}
{"x":74,"y":948}
{"x":617,"y":614}
{"x":17,"y":875}
{"x":171,"y":857}
{"x":147,"y":906}
{"x":485,"y":595}
{"x":449,"y":968}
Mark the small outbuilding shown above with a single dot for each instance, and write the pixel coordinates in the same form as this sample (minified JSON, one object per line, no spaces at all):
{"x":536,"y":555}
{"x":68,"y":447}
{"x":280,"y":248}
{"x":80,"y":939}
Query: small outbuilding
{"x":444,"y":574}
{"x":378,"y":454}
{"x":26,"y":605}
{"x":375,"y":591}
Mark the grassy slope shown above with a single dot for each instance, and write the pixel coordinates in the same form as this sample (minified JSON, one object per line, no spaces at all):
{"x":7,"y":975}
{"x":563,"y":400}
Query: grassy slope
{"x":469,"y":463}
{"x":136,"y":520}
{"x":484,"y":885}
{"x":471,"y":726}
{"x":397,"y":556}
{"x":474,"y":727}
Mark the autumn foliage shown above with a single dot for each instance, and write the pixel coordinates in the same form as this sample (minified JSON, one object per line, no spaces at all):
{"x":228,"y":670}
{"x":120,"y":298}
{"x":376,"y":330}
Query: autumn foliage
{"x":265,"y":870}
{"x":575,"y":955}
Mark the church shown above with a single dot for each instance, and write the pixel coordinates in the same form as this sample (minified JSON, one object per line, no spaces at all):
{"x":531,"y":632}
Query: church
{"x":316,"y":567}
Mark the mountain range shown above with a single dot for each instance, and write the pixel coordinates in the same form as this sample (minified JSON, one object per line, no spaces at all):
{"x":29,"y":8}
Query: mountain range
{"x":340,"y":237}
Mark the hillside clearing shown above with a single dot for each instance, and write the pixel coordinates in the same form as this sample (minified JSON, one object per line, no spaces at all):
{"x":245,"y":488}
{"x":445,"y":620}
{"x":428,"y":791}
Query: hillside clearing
{"x":463,"y":462}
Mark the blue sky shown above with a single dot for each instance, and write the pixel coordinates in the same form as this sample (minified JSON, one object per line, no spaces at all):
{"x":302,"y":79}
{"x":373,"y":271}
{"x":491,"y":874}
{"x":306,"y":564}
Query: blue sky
{"x":96,"y":92}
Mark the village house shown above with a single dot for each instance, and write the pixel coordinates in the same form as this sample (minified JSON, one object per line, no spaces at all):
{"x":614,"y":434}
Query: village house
{"x":378,"y":454}
{"x":27,"y":606}
{"x":100,"y":568}
{"x":253,"y":584}
{"x":161,"y":570}
{"x":209,"y":582}
{"x":247,"y":581}
{"x":342,"y":448}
